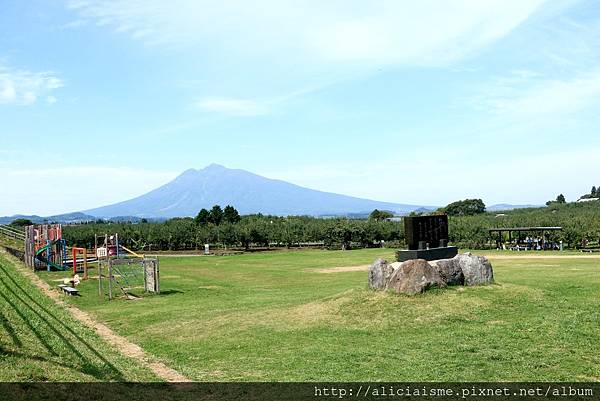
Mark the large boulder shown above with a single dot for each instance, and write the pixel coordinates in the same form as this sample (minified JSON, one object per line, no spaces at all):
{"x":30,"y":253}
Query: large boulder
{"x":476,"y":269}
{"x":379,"y":274}
{"x":415,"y":276}
{"x":450,"y":271}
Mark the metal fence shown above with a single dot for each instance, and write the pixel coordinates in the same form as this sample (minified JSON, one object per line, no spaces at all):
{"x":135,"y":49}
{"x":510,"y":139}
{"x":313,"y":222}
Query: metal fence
{"x":128,"y":277}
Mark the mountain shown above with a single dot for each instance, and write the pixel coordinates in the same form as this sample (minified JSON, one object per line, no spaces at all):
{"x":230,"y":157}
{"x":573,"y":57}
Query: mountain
{"x":67,"y":218}
{"x":505,"y":206}
{"x":76,"y":217}
{"x":247,"y":192}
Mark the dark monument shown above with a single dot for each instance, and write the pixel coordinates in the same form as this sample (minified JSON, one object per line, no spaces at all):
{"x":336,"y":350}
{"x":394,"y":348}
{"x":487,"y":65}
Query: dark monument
{"x":427,"y":238}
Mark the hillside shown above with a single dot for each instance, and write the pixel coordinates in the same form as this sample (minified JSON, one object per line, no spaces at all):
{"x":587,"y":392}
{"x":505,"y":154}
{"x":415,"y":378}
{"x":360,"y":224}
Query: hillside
{"x":248,"y":192}
{"x":76,"y":217}
{"x":40,"y":341}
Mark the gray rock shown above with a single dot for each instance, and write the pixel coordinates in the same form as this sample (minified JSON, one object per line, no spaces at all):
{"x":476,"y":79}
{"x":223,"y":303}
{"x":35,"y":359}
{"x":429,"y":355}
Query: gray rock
{"x":379,"y":274}
{"x":415,"y":276}
{"x":476,"y":269}
{"x":450,"y":271}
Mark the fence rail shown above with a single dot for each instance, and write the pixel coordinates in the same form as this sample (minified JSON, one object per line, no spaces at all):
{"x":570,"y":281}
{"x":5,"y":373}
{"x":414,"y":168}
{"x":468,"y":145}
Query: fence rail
{"x":12,"y":232}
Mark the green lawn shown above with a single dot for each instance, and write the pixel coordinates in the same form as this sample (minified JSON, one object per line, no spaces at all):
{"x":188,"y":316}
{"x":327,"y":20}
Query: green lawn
{"x":40,"y":341}
{"x":273,"y":316}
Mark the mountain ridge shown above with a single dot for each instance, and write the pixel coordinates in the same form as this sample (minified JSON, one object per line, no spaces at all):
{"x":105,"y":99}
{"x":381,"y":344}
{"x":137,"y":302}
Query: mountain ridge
{"x":215,"y":184}
{"x":250,"y":193}
{"x":506,"y":206}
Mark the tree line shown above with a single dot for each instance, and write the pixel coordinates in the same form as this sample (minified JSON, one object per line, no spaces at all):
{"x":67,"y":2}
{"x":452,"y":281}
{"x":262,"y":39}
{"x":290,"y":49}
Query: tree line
{"x":580,"y":224}
{"x":468,"y":228}
{"x":226,"y":228}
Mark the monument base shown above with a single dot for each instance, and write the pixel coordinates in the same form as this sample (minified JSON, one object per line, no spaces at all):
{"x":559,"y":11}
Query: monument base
{"x":428,"y":254}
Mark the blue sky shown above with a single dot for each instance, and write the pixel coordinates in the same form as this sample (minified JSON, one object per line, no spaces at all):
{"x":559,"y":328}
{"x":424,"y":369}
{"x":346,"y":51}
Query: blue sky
{"x":413,"y":102}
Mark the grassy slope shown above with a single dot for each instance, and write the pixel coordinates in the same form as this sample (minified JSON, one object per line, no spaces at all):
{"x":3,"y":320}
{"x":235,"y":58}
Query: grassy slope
{"x":11,"y":242}
{"x":272,"y":317}
{"x":40,"y":341}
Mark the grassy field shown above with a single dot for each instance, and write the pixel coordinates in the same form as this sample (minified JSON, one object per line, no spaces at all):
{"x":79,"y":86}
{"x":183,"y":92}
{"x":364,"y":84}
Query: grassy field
{"x":276,"y":316}
{"x":40,"y":341}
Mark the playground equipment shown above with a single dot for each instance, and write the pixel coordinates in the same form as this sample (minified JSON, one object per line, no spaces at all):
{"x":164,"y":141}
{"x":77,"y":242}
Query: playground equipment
{"x":45,"y":247}
{"x":84,"y":269}
{"x":124,"y":270}
{"x":109,"y":248}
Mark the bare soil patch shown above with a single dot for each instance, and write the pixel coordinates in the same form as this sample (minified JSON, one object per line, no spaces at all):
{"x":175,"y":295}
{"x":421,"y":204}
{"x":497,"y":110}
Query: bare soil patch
{"x":341,"y":269}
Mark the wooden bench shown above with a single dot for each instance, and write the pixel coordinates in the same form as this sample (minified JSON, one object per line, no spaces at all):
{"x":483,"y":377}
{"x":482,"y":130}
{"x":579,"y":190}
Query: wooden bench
{"x":68,"y":290}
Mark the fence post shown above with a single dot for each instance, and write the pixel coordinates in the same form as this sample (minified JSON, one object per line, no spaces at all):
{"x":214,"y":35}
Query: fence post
{"x":109,"y":280}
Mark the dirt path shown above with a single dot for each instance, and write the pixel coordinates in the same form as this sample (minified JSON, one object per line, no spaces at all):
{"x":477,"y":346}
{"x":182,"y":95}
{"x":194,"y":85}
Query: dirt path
{"x":121,"y":343}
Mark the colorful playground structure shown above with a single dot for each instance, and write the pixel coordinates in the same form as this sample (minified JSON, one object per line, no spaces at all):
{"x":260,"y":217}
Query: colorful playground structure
{"x":110,"y":247}
{"x":45,"y":247}
{"x":122,"y":268}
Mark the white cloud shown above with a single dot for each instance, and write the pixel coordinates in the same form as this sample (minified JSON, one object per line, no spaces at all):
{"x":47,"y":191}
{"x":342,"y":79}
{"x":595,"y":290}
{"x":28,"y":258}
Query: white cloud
{"x":249,"y":107}
{"x":557,"y":96}
{"x":235,"y":107}
{"x":530,"y":94}
{"x":66,"y":189}
{"x":410,"y":33}
{"x":78,"y":23}
{"x":21,"y":87}
{"x":274,"y":44}
{"x":313,"y":32}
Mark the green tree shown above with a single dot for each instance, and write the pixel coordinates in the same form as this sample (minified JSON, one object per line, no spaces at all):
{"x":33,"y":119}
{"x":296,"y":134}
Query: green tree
{"x":21,"y":222}
{"x":231,"y":215}
{"x":561,"y":199}
{"x":340,"y":233}
{"x":203,"y":217}
{"x":380,"y":215}
{"x":594,"y":191}
{"x":216,"y":215}
{"x":227,"y":234}
{"x":467,"y":207}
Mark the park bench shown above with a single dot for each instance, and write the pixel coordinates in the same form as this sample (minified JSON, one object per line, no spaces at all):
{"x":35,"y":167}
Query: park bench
{"x":68,"y":290}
